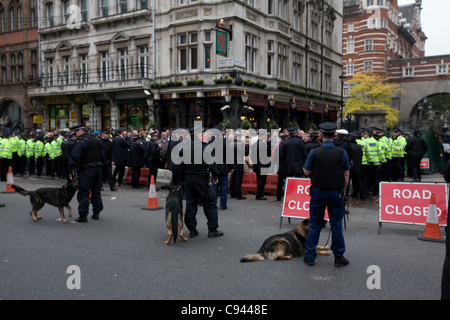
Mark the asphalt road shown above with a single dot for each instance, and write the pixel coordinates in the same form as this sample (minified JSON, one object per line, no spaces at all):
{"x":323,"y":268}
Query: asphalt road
{"x":123,"y":255}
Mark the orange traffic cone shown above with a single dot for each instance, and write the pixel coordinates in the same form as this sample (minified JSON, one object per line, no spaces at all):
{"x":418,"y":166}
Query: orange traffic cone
{"x":152,"y":203}
{"x":432,"y":231}
{"x":9,"y":182}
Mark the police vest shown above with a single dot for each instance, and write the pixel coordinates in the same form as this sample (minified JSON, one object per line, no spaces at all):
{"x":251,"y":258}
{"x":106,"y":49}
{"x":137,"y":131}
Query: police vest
{"x":92,"y":153}
{"x":327,"y":171}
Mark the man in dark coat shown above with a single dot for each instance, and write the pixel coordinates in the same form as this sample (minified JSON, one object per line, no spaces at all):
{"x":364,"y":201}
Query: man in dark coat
{"x":120,"y":155}
{"x":293,"y":154}
{"x":175,"y":139}
{"x":312,"y":143}
{"x":106,"y":164}
{"x":282,"y":167}
{"x":416,"y":148}
{"x":356,"y":166}
{"x":86,"y":157}
{"x":258,"y":148}
{"x":136,"y":161}
{"x":224,"y":170}
{"x":153,"y":157}
{"x":240,"y":152}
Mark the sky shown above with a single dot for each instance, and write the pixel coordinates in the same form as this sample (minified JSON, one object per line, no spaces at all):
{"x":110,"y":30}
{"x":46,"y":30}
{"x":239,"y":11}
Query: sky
{"x":435,"y":24}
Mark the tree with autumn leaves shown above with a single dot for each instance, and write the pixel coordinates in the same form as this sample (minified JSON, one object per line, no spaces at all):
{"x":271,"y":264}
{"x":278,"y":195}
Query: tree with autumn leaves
{"x":373,"y":92}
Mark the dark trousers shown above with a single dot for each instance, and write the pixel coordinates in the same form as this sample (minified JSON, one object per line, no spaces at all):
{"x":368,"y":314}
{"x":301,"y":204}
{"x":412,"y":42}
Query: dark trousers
{"x":15,"y":163}
{"x":223,"y":184}
{"x":90,"y":182}
{"x":107,"y":175}
{"x":236,"y":184}
{"x":197,"y":190}
{"x":135,"y":176}
{"x":335,"y":204}
{"x":365,"y":174}
{"x":414,"y":167}
{"x":23,"y":163}
{"x":398,"y":169}
{"x":39,"y":165}
{"x":65,"y":171}
{"x":175,"y":180}
{"x":119,"y":171}
{"x":57,"y":167}
{"x":280,"y":185}
{"x":356,"y":185}
{"x":445,"y":287}
{"x":373,"y":179}
{"x":260,"y":184}
{"x":4,"y":167}
{"x":385,"y":171}
{"x":31,"y":166}
{"x":48,"y":166}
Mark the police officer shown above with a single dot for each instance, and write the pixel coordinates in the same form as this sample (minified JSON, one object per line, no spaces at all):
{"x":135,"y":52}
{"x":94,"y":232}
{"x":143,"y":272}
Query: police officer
{"x":87,"y":156}
{"x":398,"y":156}
{"x":329,"y":169}
{"x":196,"y":186}
{"x":293,"y":154}
{"x":416,"y":149}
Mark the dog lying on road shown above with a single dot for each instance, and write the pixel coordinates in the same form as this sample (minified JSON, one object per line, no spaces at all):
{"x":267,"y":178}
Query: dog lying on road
{"x":58,"y":197}
{"x":285,"y":246}
{"x":174,"y":214}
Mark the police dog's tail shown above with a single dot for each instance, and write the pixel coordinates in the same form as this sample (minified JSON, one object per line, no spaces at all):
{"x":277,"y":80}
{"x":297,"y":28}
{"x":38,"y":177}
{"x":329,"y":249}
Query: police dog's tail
{"x":21,"y":190}
{"x":253,"y":257}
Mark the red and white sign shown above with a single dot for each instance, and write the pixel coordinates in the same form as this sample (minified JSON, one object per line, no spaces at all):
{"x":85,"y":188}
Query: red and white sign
{"x":408,"y":203}
{"x":425,"y":163}
{"x":296,"y":199}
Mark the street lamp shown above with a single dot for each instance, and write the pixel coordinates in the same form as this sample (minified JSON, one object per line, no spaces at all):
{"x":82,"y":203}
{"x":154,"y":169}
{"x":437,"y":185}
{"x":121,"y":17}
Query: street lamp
{"x":342,"y":78}
{"x":228,"y":96}
{"x":272,"y":100}
{"x":244,"y":97}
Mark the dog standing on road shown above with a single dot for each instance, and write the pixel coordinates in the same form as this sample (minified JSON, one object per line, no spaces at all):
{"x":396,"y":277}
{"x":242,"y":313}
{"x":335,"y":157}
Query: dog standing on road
{"x":174,"y":214}
{"x":285,"y":246}
{"x":57,"y":197}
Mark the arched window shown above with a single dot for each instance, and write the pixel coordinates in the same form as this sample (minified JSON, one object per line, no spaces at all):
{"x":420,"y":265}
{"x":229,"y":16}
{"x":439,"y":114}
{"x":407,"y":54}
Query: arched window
{"x":3,"y":22}
{"x":20,"y":18}
{"x":12,"y":14}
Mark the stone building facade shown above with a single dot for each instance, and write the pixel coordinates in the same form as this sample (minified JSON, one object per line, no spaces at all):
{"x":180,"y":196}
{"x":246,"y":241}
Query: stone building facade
{"x":18,"y":59}
{"x":285,"y":57}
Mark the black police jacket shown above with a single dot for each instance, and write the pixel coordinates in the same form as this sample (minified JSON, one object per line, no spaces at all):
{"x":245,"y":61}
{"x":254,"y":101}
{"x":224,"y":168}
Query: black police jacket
{"x":293,"y":155}
{"x":416,"y":147}
{"x":87,"y":152}
{"x":191,"y":168}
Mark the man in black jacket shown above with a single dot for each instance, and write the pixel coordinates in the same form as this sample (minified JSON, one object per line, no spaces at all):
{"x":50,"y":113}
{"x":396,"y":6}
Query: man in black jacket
{"x":258,"y":148}
{"x":136,"y":161}
{"x":356,"y":164}
{"x":196,"y":186}
{"x":87,"y":157}
{"x":416,"y":148}
{"x":223,"y":169}
{"x":153,"y":156}
{"x":106,"y":164}
{"x":293,"y":154}
{"x":119,"y":156}
{"x":241,"y":150}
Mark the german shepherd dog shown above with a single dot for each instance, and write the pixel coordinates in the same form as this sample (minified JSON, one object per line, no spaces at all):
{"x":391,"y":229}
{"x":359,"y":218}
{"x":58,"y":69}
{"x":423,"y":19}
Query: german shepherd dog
{"x":58,"y":197}
{"x":285,"y":246}
{"x":174,"y":214}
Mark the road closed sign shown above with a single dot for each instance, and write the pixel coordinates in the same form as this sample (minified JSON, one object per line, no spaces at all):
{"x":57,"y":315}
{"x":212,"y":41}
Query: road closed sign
{"x":408,"y":203}
{"x":297,"y":199}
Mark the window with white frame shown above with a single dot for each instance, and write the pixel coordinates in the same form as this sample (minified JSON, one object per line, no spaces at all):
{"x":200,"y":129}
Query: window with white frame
{"x":207,"y":50}
{"x":182,"y":2}
{"x":270,"y":58}
{"x":104,"y":66}
{"x":296,"y":71}
{"x":368,"y":66}
{"x":350,"y":27}
{"x":123,"y":64}
{"x":351,"y":45}
{"x":250,"y":52}
{"x":188,"y":52}
{"x":84,"y":10}
{"x":328,"y":74}
{"x":270,"y":7}
{"x":50,"y":16}
{"x":282,"y":9}
{"x":123,"y":6}
{"x":84,"y":68}
{"x":66,"y":61}
{"x":350,"y":68}
{"x":143,"y":62}
{"x":104,"y":8}
{"x":282,"y":61}
{"x":315,"y":26}
{"x":408,"y":72}
{"x":442,"y":69}
{"x":51,"y":66}
{"x":298,"y":15}
{"x":368,"y":45}
{"x":314,"y":74}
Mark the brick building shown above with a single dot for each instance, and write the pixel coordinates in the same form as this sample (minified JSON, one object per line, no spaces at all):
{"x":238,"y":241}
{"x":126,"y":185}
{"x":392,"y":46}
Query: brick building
{"x":376,"y":31}
{"x":19,"y":52}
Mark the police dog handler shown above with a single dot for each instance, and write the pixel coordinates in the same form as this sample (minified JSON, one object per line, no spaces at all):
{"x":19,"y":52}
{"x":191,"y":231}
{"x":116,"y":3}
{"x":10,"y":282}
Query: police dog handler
{"x":329,"y":169}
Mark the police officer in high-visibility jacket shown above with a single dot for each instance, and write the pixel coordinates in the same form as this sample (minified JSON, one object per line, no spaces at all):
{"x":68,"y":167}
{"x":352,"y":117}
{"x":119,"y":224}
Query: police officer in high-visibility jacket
{"x":39,"y":155}
{"x":7,"y":156}
{"x":22,"y":154}
{"x":398,"y":156}
{"x":329,"y":169}
{"x":30,"y":154}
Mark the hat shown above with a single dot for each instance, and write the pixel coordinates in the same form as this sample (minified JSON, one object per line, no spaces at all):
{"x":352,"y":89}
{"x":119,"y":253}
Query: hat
{"x":219,"y":127}
{"x":353,"y":135}
{"x":397,"y":130}
{"x":416,"y":130}
{"x":328,"y":127}
{"x":283,"y":136}
{"x":96,"y":132}
{"x":375,"y":129}
{"x":342,"y":131}
{"x":154,"y":134}
{"x":314,"y":134}
{"x":292,"y":129}
{"x":358,"y":133}
{"x":137,"y":137}
{"x":81,"y":126}
{"x":366,"y":130}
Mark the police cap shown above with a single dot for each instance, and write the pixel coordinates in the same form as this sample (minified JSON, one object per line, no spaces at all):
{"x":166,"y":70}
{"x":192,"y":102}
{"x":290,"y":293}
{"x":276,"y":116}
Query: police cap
{"x":353,"y":135}
{"x":314,"y":134}
{"x":292,"y":130}
{"x":397,"y":130}
{"x":358,"y":133}
{"x":79,"y":127}
{"x":342,"y":131}
{"x":328,"y":127}
{"x":415,"y":130}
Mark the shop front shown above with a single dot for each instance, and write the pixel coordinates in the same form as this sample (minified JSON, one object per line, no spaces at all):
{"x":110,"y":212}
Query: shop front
{"x":64,"y":114}
{"x":133,"y":114}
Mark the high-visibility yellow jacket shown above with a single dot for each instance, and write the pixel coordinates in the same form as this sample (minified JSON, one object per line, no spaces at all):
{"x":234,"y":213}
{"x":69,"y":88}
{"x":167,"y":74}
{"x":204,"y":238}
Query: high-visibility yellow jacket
{"x":398,"y":147}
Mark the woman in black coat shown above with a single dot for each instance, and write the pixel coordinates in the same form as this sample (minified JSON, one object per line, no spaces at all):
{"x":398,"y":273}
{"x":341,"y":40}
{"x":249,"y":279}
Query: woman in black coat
{"x":135,"y":161}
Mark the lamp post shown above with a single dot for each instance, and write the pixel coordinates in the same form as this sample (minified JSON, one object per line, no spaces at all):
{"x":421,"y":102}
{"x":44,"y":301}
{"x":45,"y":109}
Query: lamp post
{"x":342,"y":78}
